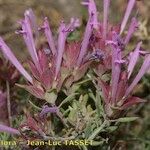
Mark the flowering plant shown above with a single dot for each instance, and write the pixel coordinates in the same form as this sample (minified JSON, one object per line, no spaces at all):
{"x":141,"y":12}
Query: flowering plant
{"x":66,"y":75}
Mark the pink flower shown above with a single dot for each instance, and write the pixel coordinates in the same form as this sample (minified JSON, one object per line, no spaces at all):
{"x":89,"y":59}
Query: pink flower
{"x":11,"y":57}
{"x":91,"y":24}
{"x":129,"y":8}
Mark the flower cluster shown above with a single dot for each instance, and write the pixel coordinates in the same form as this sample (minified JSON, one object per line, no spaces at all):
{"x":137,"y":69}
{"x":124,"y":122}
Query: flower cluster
{"x":47,"y":65}
{"x":110,"y":39}
{"x":63,"y":63}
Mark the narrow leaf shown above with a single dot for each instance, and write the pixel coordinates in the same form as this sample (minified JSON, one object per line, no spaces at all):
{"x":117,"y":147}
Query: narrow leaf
{"x":127,"y":119}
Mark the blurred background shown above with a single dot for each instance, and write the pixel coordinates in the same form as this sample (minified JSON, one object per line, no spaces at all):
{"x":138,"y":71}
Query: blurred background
{"x":135,"y":135}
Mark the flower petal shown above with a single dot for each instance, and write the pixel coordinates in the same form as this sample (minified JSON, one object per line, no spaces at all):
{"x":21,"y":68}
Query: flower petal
{"x":122,"y":85}
{"x":85,"y":42}
{"x":133,"y":26}
{"x":47,"y":109}
{"x":64,"y":30}
{"x":9,"y":130}
{"x":32,"y":19}
{"x":29,"y":40}
{"x":49,"y":36}
{"x":116,"y":70}
{"x":92,"y":12}
{"x":92,"y":23}
{"x":133,"y":59}
{"x":144,"y":68}
{"x":116,"y":65}
{"x":127,"y":14}
{"x":106,"y":4}
{"x":11,"y":57}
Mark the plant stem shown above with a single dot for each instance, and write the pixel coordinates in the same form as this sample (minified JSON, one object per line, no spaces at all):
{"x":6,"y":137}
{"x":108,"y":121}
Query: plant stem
{"x":8,"y":104}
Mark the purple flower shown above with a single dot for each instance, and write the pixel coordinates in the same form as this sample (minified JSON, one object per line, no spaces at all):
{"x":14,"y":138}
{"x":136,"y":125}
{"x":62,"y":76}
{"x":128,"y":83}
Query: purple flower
{"x":48,"y":34}
{"x":47,"y":109}
{"x":9,"y":130}
{"x":92,"y":12}
{"x":91,"y":24}
{"x":127,"y":14}
{"x":29,"y":13}
{"x":64,"y":31}
{"x":45,"y":68}
{"x":108,"y":47}
{"x":133,"y":59}
{"x":144,"y":68}
{"x":106,"y":4}
{"x":10,"y":56}
{"x":117,"y":92}
{"x":132,"y":28}
{"x":116,"y":64}
{"x":29,"y":40}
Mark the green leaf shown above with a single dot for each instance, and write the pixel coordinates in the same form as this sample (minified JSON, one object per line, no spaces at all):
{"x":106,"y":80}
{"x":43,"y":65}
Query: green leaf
{"x":99,"y":106}
{"x":90,"y":110}
{"x":97,"y":143}
{"x":73,"y":113}
{"x":69,"y":98}
{"x":88,"y":130}
{"x":74,"y":88}
{"x":65,"y":113}
{"x":92,"y":95}
{"x":72,"y":116}
{"x":83,"y":147}
{"x":98,"y":130}
{"x":34,"y":106}
{"x":111,"y":128}
{"x":50,"y":96}
{"x":85,"y":99}
{"x":83,"y":81}
{"x":127,"y":119}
